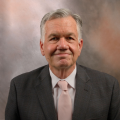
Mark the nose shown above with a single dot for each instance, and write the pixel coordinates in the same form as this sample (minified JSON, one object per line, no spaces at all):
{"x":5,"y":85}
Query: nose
{"x":62,"y":44}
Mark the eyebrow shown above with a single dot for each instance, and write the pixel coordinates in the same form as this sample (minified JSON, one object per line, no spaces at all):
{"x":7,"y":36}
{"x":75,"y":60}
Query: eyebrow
{"x":56,"y":34}
{"x":53,"y":34}
{"x":69,"y":34}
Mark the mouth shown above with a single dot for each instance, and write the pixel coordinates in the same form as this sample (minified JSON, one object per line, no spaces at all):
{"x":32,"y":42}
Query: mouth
{"x":62,"y":54}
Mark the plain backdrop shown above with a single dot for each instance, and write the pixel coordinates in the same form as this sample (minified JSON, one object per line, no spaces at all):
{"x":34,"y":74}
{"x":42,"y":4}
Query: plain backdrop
{"x":20,"y":37}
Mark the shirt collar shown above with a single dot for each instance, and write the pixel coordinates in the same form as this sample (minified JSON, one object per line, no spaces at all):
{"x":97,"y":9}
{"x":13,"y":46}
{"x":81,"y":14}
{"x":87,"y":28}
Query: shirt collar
{"x":70,"y":79}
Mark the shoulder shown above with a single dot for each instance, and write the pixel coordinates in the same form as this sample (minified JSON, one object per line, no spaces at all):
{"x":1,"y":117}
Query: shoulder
{"x":99,"y":77}
{"x":101,"y":83}
{"x":29,"y":77}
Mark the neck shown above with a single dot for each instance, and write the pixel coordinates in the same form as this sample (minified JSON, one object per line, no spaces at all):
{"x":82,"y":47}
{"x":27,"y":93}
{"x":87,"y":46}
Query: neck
{"x":62,"y":73}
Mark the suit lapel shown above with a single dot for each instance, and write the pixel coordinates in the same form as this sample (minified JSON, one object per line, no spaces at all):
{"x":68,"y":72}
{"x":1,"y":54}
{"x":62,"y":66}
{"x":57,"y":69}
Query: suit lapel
{"x":82,"y":96}
{"x":43,"y":89}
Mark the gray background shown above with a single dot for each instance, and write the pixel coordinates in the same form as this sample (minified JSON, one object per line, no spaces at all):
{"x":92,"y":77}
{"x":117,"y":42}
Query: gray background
{"x":19,"y":37}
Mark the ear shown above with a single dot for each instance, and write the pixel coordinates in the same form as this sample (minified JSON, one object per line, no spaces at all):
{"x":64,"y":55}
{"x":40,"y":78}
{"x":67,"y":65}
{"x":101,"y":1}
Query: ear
{"x":42,"y":48}
{"x":80,"y":45}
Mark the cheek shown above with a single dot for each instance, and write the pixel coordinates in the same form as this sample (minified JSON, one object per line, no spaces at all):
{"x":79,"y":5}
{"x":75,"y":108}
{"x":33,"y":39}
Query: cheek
{"x":49,"y":49}
{"x":74,"y":49}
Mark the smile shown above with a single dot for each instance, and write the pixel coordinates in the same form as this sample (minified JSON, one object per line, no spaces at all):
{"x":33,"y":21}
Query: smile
{"x":62,"y":54}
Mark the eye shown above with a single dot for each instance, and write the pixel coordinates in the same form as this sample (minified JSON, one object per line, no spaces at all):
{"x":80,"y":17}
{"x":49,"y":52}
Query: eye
{"x":70,"y":38}
{"x":54,"y":38}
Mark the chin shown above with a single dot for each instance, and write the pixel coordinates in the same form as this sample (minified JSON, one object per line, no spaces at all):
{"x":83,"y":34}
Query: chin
{"x":63,"y":65}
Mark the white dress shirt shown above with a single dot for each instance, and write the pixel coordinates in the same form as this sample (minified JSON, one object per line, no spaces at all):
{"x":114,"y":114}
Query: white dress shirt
{"x":57,"y":91}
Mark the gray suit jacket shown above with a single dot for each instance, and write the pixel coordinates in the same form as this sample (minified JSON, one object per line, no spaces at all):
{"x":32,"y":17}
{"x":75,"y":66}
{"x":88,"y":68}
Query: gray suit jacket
{"x":30,"y":98}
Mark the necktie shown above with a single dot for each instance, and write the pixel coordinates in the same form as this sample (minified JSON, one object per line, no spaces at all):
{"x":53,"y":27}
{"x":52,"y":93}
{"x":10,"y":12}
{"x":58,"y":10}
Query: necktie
{"x":64,"y":102}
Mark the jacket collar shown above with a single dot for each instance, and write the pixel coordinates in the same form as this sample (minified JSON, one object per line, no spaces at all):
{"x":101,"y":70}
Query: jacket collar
{"x":43,"y":89}
{"x":83,"y":92}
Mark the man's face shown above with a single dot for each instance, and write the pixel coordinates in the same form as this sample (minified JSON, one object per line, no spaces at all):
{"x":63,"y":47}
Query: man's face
{"x":61,"y":47}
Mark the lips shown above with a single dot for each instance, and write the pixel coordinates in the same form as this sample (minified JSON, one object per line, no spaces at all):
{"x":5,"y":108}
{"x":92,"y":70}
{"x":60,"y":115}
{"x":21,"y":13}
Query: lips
{"x":62,"y":55}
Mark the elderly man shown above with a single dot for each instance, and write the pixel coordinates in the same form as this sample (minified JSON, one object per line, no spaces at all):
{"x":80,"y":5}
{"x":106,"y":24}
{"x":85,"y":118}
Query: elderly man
{"x":63,"y":90}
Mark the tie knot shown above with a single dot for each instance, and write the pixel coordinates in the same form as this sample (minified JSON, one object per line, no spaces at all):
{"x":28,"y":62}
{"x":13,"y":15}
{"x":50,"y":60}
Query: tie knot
{"x":63,"y":84}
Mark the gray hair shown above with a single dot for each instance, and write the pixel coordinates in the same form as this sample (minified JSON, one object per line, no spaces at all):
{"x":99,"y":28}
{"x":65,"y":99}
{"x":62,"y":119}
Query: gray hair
{"x":60,"y":13}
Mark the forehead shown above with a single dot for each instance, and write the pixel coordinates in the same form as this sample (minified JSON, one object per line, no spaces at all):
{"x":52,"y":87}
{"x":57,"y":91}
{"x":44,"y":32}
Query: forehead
{"x":65,"y":24}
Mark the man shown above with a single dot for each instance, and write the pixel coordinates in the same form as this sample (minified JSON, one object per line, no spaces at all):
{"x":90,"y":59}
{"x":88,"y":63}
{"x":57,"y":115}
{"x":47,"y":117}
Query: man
{"x":37,"y":95}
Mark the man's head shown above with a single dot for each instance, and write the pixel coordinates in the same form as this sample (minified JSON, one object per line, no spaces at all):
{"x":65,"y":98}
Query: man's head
{"x":60,"y":13}
{"x":61,"y":41}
